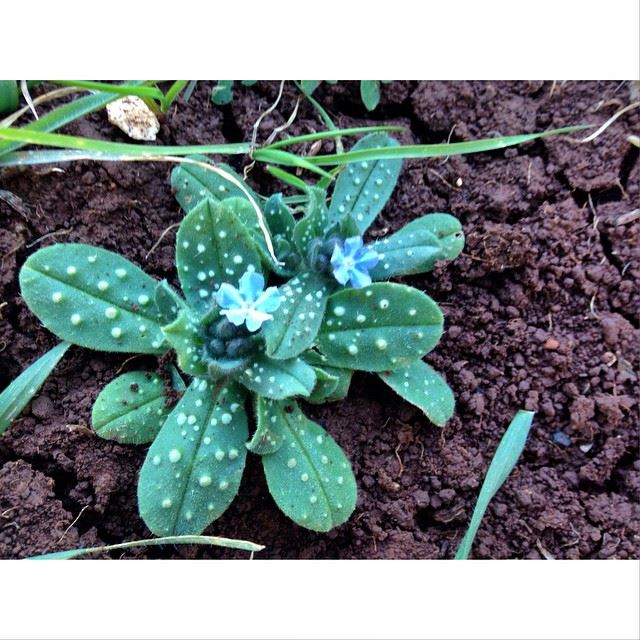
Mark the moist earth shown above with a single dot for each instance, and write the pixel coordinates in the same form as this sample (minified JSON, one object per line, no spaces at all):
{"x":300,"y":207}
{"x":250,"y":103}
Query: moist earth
{"x":541,"y":314}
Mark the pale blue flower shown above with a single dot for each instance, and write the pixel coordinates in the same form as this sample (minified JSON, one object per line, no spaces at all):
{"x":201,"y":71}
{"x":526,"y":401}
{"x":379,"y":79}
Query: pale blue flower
{"x":352,"y":261}
{"x":249,"y":303}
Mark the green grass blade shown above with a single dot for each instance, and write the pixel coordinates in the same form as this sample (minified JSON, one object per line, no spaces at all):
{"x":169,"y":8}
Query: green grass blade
{"x":119,"y":89}
{"x":172,"y":94}
{"x":504,"y":460}
{"x":332,"y":133}
{"x":63,"y":115}
{"x":20,"y":392}
{"x":63,"y":141}
{"x":437,"y":150}
{"x":215,"y":541}
{"x":8,"y":96}
{"x":288,"y":178}
{"x":277,"y":156}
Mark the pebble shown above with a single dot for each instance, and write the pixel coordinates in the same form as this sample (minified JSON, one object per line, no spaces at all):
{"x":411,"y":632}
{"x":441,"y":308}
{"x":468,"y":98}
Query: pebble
{"x":561,"y":438}
{"x":551,"y":344}
{"x":42,"y":407}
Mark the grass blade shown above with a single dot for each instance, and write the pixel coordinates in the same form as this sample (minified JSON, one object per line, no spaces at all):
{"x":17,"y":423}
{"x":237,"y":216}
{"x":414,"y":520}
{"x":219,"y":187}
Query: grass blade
{"x":504,"y":460}
{"x":62,"y":141}
{"x":172,"y":94}
{"x":20,"y":392}
{"x":215,"y":541}
{"x":437,"y":150}
{"x":119,"y":89}
{"x":277,"y":156}
{"x":332,"y":133}
{"x":288,"y":178}
{"x":63,"y":115}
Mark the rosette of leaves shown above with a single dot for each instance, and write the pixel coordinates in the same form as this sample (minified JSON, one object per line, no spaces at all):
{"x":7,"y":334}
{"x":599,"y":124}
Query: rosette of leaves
{"x":340,"y":312}
{"x":217,"y":326}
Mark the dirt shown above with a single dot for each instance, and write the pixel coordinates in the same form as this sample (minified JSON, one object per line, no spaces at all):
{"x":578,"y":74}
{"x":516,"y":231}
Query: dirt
{"x":541,"y":313}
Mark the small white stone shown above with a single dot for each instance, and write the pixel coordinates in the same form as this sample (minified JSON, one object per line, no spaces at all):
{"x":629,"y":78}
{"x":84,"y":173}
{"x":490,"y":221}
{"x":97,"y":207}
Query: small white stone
{"x":131,"y":115}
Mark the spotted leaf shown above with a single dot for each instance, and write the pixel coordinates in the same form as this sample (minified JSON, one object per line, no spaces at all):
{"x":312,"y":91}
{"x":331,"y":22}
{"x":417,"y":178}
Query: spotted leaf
{"x":268,"y":436}
{"x":277,"y":379}
{"x":309,"y":476}
{"x":381,"y":327}
{"x":184,"y":336}
{"x":193,"y":183}
{"x":314,"y":223}
{"x":421,"y":385}
{"x":131,"y":409}
{"x":296,"y":321}
{"x":212,"y":247}
{"x":363,"y":188}
{"x":193,"y":468}
{"x":94,"y":298}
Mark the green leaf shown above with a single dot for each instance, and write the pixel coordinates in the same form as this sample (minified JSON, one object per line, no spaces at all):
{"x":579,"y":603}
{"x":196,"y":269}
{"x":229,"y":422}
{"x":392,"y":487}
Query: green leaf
{"x":105,"y":150}
{"x":172,"y":94}
{"x":504,"y":460}
{"x":168,"y":302}
{"x":435,"y":150}
{"x":333,"y":133}
{"x":131,"y":409}
{"x":277,"y":379}
{"x":418,"y":246}
{"x":309,"y":86}
{"x":446,"y":228}
{"x":193,"y":468}
{"x":21,"y":391}
{"x":370,"y":93}
{"x":379,"y":328}
{"x":278,"y":216}
{"x":268,"y":437}
{"x":323,"y":393}
{"x":222,"y":93}
{"x":94,"y":298}
{"x":9,"y":96}
{"x":326,"y":384}
{"x":183,"y":334}
{"x":118,"y":89}
{"x":214,"y":541}
{"x":212,"y":247}
{"x":421,"y":385}
{"x":309,"y":476}
{"x":296,"y":322}
{"x":314,"y":223}
{"x":363,"y":188}
{"x":193,"y":183}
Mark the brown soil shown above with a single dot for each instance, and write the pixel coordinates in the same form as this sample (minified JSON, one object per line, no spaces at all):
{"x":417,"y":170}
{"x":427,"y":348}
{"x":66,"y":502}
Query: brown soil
{"x":540,"y":314}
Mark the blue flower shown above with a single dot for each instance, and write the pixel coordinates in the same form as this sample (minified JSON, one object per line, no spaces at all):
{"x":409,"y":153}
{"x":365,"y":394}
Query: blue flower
{"x":352,"y":261}
{"x":248,"y":303}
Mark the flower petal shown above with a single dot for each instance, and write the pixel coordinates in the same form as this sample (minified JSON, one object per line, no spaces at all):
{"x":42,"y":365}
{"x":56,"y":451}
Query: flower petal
{"x":342,"y":274}
{"x":228,"y":297}
{"x":351,"y":246}
{"x":256,"y":318}
{"x":337,"y":257}
{"x":359,"y":279}
{"x":268,"y":301}
{"x":367,"y":259}
{"x":251,"y":285}
{"x":236,"y":316}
